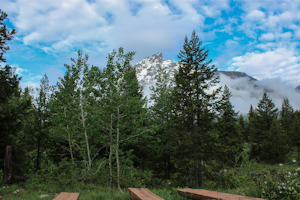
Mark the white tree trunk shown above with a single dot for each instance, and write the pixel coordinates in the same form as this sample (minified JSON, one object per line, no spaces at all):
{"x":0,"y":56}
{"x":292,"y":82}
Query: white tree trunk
{"x":117,"y":154}
{"x":110,"y":155}
{"x":85,"y":134}
{"x":69,"y":139}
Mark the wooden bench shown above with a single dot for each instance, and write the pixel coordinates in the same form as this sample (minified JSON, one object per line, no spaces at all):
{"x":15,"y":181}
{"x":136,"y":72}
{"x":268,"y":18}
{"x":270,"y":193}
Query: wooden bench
{"x":142,"y":194}
{"x":67,"y":196}
{"x":200,"y":194}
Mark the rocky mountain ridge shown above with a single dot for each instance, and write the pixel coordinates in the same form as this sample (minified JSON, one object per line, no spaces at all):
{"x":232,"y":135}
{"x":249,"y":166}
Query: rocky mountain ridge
{"x":147,"y":70}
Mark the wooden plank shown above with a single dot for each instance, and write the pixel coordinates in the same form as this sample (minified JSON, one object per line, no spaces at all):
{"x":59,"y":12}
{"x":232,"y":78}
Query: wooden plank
{"x":201,"y":194}
{"x":0,"y":198}
{"x":67,"y":196}
{"x":142,"y":194}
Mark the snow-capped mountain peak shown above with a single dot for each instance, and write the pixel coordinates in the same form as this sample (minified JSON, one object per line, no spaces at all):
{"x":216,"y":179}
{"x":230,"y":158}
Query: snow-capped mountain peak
{"x":146,"y":69}
{"x":245,"y":90}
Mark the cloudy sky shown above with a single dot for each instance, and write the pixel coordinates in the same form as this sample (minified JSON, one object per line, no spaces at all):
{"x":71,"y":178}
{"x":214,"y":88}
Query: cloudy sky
{"x":258,"y":37}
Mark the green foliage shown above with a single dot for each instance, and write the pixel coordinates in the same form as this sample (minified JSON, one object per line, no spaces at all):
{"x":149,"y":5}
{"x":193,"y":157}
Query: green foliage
{"x":241,"y":123}
{"x":260,"y":125}
{"x":65,"y":173}
{"x":162,"y":147}
{"x":296,"y":132}
{"x":276,"y":146}
{"x":192,"y":107}
{"x":230,"y":139}
{"x":240,"y":174}
{"x":286,"y":119}
{"x":280,"y":186}
{"x":4,"y":35}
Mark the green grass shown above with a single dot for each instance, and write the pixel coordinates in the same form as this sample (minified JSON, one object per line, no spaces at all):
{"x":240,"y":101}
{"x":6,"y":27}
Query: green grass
{"x":89,"y":191}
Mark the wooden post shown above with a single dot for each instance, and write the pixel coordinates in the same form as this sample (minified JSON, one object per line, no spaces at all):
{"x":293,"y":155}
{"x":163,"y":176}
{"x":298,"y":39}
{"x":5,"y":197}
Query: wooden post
{"x":8,"y":176}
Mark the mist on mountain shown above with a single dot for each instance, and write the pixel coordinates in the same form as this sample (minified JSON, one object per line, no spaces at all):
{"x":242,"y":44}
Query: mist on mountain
{"x":245,"y":90}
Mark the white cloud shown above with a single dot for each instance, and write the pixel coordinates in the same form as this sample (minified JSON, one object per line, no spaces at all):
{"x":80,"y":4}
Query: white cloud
{"x":256,"y":15}
{"x":21,"y":71}
{"x":267,"y":36}
{"x":212,"y":9}
{"x":64,"y":25}
{"x":297,"y":33}
{"x":269,"y":64}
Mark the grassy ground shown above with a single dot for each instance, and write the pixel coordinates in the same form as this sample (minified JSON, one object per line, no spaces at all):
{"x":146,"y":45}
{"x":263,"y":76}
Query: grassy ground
{"x":87,"y":192}
{"x":248,"y":188}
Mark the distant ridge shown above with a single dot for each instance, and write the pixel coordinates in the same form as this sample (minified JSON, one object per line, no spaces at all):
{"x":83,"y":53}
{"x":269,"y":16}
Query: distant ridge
{"x":146,"y":70}
{"x":297,"y":88}
{"x":235,"y":74}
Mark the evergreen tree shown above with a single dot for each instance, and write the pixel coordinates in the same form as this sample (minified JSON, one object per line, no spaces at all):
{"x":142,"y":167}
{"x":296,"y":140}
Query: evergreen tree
{"x":286,"y":118}
{"x":276,"y":145}
{"x":297,"y":113}
{"x":163,"y":147}
{"x":230,"y":138}
{"x":296,"y":132}
{"x":193,"y":109}
{"x":242,"y":127}
{"x":13,"y":105}
{"x":250,"y":128}
{"x":265,"y":115}
{"x":41,"y":118}
{"x":20,"y":109}
{"x":4,"y":35}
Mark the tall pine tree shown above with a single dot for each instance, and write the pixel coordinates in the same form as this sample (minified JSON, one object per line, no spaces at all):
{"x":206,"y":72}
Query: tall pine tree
{"x":296,"y":132}
{"x":230,"y":138}
{"x":4,"y":35}
{"x":276,"y":145}
{"x":193,"y":108}
{"x":266,"y":113}
{"x":286,"y":118}
{"x":242,"y":127}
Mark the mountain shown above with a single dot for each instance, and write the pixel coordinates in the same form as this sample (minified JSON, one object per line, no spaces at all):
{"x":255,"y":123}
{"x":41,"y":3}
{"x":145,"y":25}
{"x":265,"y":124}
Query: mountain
{"x":297,"y":88}
{"x":245,"y":89}
{"x":147,"y":70}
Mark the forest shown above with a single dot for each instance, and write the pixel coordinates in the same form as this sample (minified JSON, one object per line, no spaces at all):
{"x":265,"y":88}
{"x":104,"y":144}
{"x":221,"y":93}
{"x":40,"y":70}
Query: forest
{"x":94,"y":127}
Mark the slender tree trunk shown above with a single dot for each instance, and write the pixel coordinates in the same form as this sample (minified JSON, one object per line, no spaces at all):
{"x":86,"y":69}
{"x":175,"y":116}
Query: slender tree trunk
{"x":38,"y":155}
{"x":196,"y":167}
{"x":117,"y":155}
{"x":200,"y":172}
{"x":169,"y":166}
{"x":8,"y":175}
{"x":110,"y":154}
{"x":69,"y":139}
{"x":85,"y":133}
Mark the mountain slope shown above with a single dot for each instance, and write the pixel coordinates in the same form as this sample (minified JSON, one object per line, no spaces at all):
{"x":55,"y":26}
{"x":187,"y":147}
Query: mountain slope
{"x":245,"y":89}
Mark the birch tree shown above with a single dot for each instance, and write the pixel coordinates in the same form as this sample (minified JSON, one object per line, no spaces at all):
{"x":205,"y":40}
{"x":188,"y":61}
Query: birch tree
{"x":72,"y":118}
{"x":111,"y":82}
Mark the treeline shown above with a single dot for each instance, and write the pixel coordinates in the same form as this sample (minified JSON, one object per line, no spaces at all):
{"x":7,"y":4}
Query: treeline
{"x":94,"y":126}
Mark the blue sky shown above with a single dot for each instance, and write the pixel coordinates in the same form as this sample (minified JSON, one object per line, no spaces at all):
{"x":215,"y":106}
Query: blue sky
{"x":260,"y":38}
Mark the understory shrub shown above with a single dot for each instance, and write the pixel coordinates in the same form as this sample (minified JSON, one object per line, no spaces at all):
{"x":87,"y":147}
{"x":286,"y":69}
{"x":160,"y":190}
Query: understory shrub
{"x":240,"y":175}
{"x":279,"y":185}
{"x":64,"y":173}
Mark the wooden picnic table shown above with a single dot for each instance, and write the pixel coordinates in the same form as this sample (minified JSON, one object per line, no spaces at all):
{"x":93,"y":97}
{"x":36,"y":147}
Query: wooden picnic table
{"x":142,"y":194}
{"x":67,"y":196}
{"x":201,"y":194}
